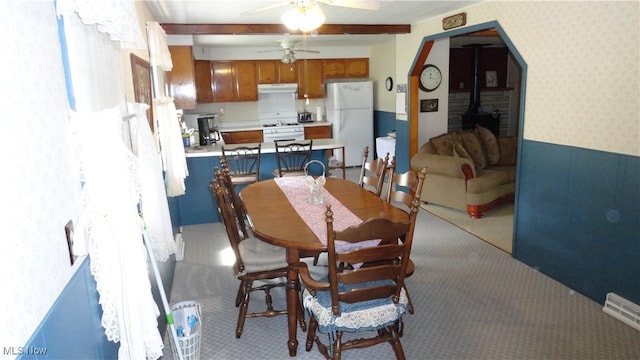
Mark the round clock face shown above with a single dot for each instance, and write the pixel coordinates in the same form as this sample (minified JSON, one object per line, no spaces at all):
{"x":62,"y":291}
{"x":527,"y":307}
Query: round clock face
{"x":430,"y":78}
{"x":388,"y":83}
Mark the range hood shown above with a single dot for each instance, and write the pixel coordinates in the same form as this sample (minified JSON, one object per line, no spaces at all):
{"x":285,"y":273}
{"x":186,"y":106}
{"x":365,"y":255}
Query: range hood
{"x":277,"y":88}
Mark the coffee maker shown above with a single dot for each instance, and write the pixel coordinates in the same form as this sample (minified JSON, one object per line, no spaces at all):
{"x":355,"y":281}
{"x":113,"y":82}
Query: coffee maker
{"x":208,"y":129}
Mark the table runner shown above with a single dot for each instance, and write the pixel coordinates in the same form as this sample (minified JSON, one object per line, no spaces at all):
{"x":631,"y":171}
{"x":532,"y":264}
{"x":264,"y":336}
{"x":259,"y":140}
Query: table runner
{"x":297,"y":192}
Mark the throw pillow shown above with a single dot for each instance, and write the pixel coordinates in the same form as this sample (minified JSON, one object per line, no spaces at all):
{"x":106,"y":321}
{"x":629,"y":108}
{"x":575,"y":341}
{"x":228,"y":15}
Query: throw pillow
{"x":444,"y":144}
{"x":459,"y":151}
{"x":508,"y":150}
{"x":471,"y":143}
{"x":490,"y":144}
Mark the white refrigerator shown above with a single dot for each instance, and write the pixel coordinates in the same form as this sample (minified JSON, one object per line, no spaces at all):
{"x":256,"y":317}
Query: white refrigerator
{"x":350,"y":111}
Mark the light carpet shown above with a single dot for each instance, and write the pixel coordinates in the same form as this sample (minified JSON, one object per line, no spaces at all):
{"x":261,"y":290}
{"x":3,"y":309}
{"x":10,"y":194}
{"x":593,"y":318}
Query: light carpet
{"x":495,"y":226}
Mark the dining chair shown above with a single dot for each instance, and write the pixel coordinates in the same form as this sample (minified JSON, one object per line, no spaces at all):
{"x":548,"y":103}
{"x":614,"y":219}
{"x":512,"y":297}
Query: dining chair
{"x":403,"y":190}
{"x":292,"y":157}
{"x":259,"y":266}
{"x":365,"y":298}
{"x":372,"y":174}
{"x":402,"y":187}
{"x":243,"y":163}
{"x":224,"y":178}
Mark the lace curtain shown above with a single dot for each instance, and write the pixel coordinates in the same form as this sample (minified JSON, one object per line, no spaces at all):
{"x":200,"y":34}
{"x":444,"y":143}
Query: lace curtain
{"x":118,"y":18}
{"x":175,"y":162}
{"x":111,"y":192}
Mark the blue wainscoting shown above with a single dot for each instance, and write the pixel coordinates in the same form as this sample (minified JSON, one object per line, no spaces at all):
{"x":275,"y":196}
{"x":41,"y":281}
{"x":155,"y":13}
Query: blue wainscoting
{"x":197,"y":205}
{"x":578,"y":218}
{"x":71,"y":329}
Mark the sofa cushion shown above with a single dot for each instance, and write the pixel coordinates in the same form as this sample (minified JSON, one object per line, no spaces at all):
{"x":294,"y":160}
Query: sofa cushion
{"x":471,"y":143}
{"x":444,"y":143}
{"x":489,"y":144}
{"x":461,"y":152}
{"x":508,"y":150}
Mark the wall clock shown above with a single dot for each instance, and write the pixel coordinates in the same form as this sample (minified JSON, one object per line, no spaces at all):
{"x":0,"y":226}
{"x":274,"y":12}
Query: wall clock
{"x":388,"y":83}
{"x":430,"y":77}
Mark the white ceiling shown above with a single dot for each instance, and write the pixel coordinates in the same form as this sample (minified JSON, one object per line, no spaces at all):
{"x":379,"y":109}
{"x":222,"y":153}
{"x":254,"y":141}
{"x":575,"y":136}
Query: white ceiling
{"x":235,"y":12}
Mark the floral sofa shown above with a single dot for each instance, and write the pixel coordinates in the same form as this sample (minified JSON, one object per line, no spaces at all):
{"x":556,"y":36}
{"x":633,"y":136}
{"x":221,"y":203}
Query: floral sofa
{"x":468,"y":170}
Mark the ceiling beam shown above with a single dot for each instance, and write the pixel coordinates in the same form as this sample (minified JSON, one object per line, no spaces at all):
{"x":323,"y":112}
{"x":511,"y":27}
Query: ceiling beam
{"x":265,"y":29}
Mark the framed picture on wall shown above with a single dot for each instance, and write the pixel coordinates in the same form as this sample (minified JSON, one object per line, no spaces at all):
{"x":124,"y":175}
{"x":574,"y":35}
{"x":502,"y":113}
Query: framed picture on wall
{"x":429,"y":105}
{"x":492,"y":78}
{"x":141,"y":72}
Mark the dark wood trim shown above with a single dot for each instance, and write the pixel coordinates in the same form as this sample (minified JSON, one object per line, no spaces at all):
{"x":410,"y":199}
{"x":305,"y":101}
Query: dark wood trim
{"x":244,"y":29}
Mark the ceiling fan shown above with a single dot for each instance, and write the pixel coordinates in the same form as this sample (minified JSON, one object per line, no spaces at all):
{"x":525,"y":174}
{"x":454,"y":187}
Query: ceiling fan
{"x":305,"y":4}
{"x":289,"y":51}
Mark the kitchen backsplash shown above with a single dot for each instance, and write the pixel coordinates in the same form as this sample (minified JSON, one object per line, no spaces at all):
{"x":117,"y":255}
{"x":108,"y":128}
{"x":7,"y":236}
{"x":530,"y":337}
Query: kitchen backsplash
{"x":248,"y":110}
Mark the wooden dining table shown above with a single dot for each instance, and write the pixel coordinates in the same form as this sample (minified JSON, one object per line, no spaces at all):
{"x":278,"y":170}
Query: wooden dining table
{"x":276,"y":221}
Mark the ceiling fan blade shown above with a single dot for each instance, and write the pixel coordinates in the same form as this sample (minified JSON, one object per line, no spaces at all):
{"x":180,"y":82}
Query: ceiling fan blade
{"x":266,"y":51}
{"x":355,"y":4}
{"x":308,"y":51}
{"x":268,"y":7}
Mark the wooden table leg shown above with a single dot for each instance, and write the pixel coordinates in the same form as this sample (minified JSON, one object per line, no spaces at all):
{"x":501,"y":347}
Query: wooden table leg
{"x":293,"y":257}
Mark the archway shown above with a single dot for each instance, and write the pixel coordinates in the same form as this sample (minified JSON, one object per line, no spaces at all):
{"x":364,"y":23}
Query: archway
{"x":414,"y":95}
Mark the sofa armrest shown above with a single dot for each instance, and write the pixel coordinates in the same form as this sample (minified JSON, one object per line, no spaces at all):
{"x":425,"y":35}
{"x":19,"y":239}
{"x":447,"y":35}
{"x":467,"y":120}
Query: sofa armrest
{"x":443,"y":165}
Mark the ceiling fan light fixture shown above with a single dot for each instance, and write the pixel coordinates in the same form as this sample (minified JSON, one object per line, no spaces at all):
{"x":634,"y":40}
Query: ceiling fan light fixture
{"x":304,"y":18}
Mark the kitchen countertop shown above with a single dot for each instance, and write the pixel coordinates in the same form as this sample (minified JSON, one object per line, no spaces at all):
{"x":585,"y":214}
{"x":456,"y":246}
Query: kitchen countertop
{"x":254,"y":125}
{"x":268,"y":147}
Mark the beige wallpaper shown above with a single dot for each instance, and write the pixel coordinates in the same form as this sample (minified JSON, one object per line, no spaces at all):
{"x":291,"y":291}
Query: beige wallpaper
{"x":583,"y":82}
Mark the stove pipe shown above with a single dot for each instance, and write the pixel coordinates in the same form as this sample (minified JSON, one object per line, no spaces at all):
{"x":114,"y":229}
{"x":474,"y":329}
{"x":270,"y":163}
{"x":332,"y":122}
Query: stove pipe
{"x":474,"y":95}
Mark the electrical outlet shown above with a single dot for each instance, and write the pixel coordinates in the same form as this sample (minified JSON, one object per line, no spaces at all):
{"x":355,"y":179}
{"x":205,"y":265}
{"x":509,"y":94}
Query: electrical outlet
{"x":68,"y":230}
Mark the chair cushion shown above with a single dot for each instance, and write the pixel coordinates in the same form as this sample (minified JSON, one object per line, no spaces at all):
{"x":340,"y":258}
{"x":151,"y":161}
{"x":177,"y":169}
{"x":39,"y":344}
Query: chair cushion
{"x":258,"y":255}
{"x":360,"y":316}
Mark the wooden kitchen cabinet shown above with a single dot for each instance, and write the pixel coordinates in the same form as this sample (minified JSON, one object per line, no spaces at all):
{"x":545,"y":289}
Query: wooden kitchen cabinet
{"x":275,"y":72}
{"x":223,"y":86}
{"x":356,"y":67}
{"x":234,"y":81}
{"x":287,"y":73}
{"x":246,"y":85}
{"x":181,"y":79}
{"x":242,"y":137}
{"x":317,"y":132}
{"x":267,"y":71}
{"x":310,"y":79}
{"x":346,"y":68}
{"x":204,"y":83}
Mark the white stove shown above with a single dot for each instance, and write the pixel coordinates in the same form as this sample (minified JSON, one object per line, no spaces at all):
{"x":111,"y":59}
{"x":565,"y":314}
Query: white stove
{"x":281,"y":126}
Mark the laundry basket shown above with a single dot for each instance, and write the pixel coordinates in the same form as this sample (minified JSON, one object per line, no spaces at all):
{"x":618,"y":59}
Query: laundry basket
{"x":187,"y":318}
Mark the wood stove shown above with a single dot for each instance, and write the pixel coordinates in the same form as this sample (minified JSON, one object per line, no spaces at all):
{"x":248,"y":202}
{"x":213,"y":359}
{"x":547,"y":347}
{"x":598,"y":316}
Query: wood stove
{"x":475,"y":114}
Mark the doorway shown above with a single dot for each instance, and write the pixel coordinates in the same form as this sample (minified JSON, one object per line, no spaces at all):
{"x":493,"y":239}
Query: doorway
{"x":515,"y":119}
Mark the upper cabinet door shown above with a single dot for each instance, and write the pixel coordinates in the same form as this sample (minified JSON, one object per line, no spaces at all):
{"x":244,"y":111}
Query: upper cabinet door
{"x":223,"y":84}
{"x":181,"y":79}
{"x":310,"y":79}
{"x":287,"y":72}
{"x":204,"y":82}
{"x":334,"y":68}
{"x":357,"y":67}
{"x":267,"y":71}
{"x":245,"y":80}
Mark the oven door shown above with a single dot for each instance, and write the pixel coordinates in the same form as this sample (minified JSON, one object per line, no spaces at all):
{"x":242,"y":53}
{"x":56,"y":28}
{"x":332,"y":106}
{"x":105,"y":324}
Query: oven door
{"x":270,"y":135}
